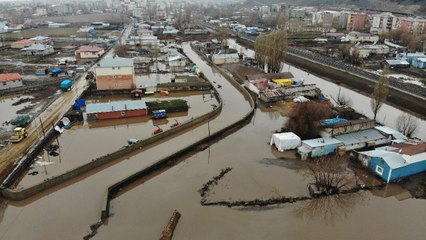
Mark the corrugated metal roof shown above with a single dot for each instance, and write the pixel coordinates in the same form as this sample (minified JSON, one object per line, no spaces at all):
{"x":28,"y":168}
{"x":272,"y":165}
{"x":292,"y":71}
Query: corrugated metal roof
{"x":9,"y":77}
{"x":319,"y":142}
{"x":116,"y":62}
{"x":115,"y":106}
{"x":394,"y":160}
{"x":360,"y":136}
{"x":395,"y":134}
{"x":37,"y":47}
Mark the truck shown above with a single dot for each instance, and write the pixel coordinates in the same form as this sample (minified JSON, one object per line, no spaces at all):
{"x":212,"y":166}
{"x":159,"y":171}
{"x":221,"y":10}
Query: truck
{"x":159,"y":114}
{"x":19,"y":134}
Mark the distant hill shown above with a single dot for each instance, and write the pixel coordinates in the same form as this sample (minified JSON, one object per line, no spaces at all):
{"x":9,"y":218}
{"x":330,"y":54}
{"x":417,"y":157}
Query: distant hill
{"x":417,"y":7}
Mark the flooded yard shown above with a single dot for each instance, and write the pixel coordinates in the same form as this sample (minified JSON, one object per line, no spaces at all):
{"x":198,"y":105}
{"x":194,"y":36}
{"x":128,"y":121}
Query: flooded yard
{"x":82,"y":143}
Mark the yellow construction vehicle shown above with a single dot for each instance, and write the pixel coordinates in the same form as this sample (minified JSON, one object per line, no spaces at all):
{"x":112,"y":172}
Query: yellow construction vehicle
{"x":20,"y":133}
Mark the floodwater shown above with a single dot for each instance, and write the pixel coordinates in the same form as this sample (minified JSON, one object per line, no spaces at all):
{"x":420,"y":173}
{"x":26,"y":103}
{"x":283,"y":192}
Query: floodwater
{"x":81,"y":144}
{"x":67,"y":211}
{"x":8,"y":111}
{"x":259,"y":172}
{"x":387,"y":115}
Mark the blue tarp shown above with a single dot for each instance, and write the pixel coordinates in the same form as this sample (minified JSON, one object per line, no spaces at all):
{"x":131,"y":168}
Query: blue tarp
{"x":56,"y":70}
{"x":332,"y":121}
{"x":79,"y":103}
{"x":40,"y":73}
{"x":66,"y":84}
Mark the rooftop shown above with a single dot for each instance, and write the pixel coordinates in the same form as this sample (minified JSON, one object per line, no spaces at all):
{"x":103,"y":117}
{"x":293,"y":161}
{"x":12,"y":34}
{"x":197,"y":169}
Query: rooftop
{"x":36,"y":47}
{"x":115,"y":62}
{"x":397,"y":62}
{"x":23,"y":41}
{"x":360,"y":136}
{"x":9,"y":77}
{"x":89,"y":48}
{"x":115,"y":106}
{"x":319,"y":142}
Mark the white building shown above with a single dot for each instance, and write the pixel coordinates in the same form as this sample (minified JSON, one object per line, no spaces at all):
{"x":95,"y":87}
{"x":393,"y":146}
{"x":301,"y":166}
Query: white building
{"x":225,"y":58}
{"x":10,"y":80}
{"x":366,"y":50}
{"x":355,"y":37}
{"x":38,"y":50}
{"x":383,"y":23}
{"x":115,"y":73}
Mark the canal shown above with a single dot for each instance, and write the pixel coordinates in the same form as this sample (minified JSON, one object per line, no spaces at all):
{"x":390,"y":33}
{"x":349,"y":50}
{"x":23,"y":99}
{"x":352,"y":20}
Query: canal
{"x":387,"y":115}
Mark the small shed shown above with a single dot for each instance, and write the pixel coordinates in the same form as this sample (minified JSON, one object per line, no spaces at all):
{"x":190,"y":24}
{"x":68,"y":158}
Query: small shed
{"x":318,"y":147}
{"x":393,"y":166}
{"x":285,"y":141}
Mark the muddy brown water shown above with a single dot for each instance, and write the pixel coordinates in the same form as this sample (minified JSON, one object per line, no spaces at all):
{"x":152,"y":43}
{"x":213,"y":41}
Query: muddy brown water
{"x":67,"y":211}
{"x":387,"y":115}
{"x":8,"y":111}
{"x":259,"y":172}
{"x":81,"y":144}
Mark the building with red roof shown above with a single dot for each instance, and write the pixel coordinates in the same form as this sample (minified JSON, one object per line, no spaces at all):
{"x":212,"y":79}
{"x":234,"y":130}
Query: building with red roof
{"x":10,"y":80}
{"x":87,"y":52}
{"x":21,"y":44}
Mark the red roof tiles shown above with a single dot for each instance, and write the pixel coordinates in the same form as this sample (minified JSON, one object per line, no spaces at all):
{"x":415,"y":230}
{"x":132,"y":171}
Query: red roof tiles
{"x":9,"y":77}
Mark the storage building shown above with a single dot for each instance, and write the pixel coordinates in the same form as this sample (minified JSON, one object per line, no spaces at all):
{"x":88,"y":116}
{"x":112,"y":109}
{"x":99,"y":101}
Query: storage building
{"x":117,"y":109}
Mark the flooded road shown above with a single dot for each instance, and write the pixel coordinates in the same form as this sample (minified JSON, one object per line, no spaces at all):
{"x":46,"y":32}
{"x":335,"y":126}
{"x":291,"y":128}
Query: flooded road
{"x":67,"y":211}
{"x":387,"y":115}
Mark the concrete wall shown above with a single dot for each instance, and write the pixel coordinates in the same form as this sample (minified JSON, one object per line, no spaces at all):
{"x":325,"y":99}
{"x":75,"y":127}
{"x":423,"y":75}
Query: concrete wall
{"x":117,"y":71}
{"x":21,"y":194}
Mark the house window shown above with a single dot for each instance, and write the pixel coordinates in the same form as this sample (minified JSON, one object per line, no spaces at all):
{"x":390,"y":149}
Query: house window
{"x":379,"y":170}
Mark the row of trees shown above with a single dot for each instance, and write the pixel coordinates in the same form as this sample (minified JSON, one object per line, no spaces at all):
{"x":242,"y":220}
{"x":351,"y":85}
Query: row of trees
{"x":270,"y":49}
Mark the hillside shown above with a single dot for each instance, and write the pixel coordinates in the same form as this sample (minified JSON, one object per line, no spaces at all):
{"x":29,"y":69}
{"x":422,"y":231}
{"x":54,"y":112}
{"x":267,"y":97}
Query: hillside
{"x":417,"y":7}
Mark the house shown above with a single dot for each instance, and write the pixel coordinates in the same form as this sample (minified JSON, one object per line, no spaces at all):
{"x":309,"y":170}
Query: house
{"x":363,"y":139}
{"x":318,"y":147}
{"x":362,"y":37}
{"x":330,"y":128}
{"x":392,"y":163}
{"x":115,"y":73}
{"x":89,"y":52}
{"x":116,"y":109}
{"x":21,"y":44}
{"x":10,"y":80}
{"x":38,"y":50}
{"x":41,"y":40}
{"x":367,"y":50}
{"x":223,"y":58}
{"x":397,"y":64}
{"x":419,"y":63}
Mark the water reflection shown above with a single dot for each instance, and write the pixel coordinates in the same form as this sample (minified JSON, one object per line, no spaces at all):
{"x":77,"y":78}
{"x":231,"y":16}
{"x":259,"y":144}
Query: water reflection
{"x":330,"y":209}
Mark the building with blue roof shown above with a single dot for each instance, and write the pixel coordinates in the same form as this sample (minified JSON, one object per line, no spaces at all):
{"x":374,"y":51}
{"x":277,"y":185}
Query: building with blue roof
{"x":392,"y":163}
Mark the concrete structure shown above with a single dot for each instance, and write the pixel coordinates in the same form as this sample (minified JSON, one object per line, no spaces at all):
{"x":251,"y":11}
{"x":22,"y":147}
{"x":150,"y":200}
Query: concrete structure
{"x":38,"y":50}
{"x":356,"y":21}
{"x":414,"y":25}
{"x":225,"y":58}
{"x":299,"y":13}
{"x":362,"y":37}
{"x":21,"y":44}
{"x":367,"y":50}
{"x":3,"y":26}
{"x":115,"y":73}
{"x":41,"y":40}
{"x":334,"y":129}
{"x":87,"y":52}
{"x":318,"y":147}
{"x":383,"y":23}
{"x":397,"y":64}
{"x":395,"y":162}
{"x":117,"y":109}
{"x":10,"y":80}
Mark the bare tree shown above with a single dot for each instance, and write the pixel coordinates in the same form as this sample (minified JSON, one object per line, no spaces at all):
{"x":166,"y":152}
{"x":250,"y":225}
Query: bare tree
{"x":222,"y":35}
{"x":120,"y":50}
{"x":270,"y":49}
{"x":341,"y":99}
{"x":304,"y":118}
{"x":379,"y":95}
{"x":406,"y":124}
